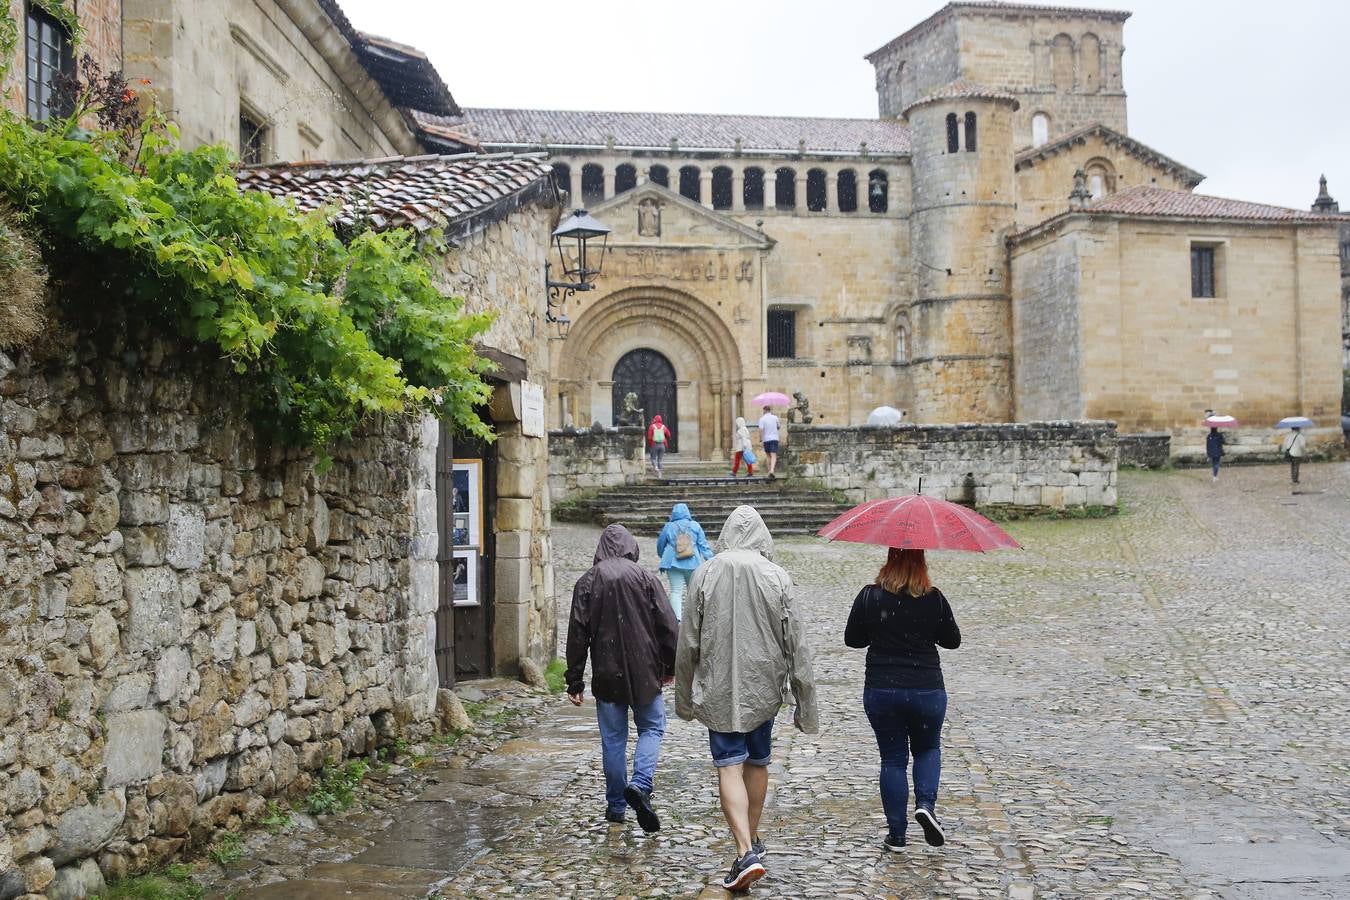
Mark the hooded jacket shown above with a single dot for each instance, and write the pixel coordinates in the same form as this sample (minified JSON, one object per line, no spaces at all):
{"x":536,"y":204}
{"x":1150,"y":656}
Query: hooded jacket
{"x":651,"y":431}
{"x":740,"y":438}
{"x":741,"y":640}
{"x":622,"y":618}
{"x":681,"y":520}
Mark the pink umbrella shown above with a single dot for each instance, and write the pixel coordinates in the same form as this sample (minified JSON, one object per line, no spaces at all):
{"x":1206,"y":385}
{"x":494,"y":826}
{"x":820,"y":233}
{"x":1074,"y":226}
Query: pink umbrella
{"x":772,"y":398}
{"x":1221,"y":422}
{"x":916,"y":522}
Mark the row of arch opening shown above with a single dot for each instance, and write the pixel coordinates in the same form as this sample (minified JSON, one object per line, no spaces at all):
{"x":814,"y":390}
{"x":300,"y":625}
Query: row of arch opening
{"x":759,"y":188}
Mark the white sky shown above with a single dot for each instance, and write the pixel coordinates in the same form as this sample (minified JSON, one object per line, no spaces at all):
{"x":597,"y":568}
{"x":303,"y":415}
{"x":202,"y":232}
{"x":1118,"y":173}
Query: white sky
{"x":1252,"y":94}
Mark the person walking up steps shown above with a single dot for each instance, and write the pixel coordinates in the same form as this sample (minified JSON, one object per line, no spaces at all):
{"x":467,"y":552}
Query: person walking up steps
{"x":902,"y":620}
{"x":740,"y":449}
{"x":768,"y":435}
{"x":740,"y":642}
{"x":622,"y":619}
{"x":658,"y":439}
{"x":683,"y":547}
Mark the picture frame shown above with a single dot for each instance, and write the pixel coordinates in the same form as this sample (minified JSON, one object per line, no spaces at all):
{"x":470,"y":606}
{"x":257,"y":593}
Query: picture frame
{"x":466,"y":503}
{"x":464,"y":578}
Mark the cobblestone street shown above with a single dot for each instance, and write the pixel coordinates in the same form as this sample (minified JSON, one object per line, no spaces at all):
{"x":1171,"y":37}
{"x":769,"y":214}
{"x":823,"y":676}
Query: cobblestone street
{"x":1151,"y":705}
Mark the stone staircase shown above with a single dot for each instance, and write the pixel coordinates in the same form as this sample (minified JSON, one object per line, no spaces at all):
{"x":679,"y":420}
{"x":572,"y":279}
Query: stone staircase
{"x":789,"y":506}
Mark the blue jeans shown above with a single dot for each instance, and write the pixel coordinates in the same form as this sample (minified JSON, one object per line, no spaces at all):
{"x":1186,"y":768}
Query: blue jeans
{"x":1214,"y":465}
{"x":651,"y":726}
{"x":905,"y":721}
{"x":679,"y":580}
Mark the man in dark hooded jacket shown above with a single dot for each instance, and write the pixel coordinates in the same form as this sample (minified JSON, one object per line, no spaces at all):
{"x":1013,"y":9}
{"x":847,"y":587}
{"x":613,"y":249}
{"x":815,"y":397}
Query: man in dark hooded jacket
{"x":623,"y":620}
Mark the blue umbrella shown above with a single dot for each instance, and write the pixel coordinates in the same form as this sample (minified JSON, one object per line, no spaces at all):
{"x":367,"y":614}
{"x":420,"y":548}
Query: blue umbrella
{"x":1295,"y":422}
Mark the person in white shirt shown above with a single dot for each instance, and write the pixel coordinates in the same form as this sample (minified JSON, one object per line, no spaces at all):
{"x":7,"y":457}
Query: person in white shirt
{"x":768,"y":435}
{"x":1294,"y":446}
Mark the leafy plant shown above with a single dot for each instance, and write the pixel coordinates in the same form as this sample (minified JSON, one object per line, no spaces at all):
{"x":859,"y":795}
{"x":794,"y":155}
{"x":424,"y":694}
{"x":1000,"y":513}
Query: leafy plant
{"x":335,"y":788}
{"x":226,"y":848}
{"x":276,"y":818}
{"x":171,"y":883}
{"x":554,"y":673}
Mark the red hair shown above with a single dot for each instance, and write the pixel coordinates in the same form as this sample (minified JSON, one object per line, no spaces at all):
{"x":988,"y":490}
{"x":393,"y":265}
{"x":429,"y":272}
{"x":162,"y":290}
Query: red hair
{"x":905,"y":571}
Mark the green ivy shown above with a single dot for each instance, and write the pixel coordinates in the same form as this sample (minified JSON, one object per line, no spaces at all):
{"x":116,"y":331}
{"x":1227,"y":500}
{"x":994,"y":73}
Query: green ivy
{"x":63,"y":12}
{"x":322,"y":332}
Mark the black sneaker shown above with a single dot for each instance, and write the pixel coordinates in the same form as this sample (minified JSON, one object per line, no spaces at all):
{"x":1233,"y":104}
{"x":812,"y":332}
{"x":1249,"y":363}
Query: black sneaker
{"x":641,"y":801}
{"x":893,"y":843}
{"x":744,"y":872}
{"x":932,"y":831}
{"x":614,"y":815}
{"x":761,"y":851}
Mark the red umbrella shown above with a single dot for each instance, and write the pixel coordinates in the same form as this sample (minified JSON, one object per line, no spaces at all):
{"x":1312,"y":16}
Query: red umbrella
{"x":916,"y":522}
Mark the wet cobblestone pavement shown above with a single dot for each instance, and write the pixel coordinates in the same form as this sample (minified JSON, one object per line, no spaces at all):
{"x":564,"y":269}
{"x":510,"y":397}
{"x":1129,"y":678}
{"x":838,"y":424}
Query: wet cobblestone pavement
{"x":1153,"y":705}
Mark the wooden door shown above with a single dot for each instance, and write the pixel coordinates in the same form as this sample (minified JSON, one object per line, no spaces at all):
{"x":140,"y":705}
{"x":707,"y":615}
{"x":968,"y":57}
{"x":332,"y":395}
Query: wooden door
{"x":650,"y":375}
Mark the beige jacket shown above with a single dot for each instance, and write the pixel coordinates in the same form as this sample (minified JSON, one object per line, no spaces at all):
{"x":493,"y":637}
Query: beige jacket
{"x":741,"y":641}
{"x":740,"y":438}
{"x":1294,"y":444}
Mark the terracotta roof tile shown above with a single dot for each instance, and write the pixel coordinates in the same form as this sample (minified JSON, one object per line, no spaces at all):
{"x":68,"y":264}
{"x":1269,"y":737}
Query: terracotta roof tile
{"x":960,"y":89}
{"x":1112,"y":138}
{"x":691,"y":131}
{"x":1146,"y":200}
{"x":419,"y":192}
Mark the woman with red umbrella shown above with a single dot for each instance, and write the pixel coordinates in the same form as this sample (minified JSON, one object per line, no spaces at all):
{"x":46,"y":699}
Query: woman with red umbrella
{"x":902,"y":620}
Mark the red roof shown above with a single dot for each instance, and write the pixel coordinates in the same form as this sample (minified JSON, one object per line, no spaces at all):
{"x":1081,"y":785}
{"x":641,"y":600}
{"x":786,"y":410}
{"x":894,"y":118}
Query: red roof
{"x":1146,"y":200}
{"x":960,"y":89}
{"x":1111,"y":138}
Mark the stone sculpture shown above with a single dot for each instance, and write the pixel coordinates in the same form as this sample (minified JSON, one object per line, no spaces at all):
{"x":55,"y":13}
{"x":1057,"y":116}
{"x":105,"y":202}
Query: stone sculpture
{"x":800,"y":410}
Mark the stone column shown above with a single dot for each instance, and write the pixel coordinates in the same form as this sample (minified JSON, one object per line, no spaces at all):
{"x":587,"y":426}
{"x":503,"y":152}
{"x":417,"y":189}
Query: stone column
{"x":718,"y":421}
{"x":799,"y":197}
{"x":832,"y":191}
{"x":514,"y":527}
{"x":737,"y":191}
{"x":575,"y":186}
{"x":609,"y":182}
{"x":705,"y":187}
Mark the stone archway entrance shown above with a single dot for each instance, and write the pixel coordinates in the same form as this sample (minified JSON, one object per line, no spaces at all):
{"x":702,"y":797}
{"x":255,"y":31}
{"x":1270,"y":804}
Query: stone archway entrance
{"x":650,"y":375}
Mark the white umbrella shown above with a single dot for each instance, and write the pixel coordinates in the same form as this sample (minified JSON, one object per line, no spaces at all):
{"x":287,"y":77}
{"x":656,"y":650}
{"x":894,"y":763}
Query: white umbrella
{"x":885,"y":415}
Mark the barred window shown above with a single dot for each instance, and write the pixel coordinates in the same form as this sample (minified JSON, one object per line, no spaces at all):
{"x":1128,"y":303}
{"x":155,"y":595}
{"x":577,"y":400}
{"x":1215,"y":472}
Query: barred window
{"x":782,"y":334}
{"x":1202,"y":271}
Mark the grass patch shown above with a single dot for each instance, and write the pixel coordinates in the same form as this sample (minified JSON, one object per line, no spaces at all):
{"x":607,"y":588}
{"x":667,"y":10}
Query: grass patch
{"x":276,"y":818}
{"x":171,"y":883}
{"x":474,"y":708}
{"x":1019,"y":513}
{"x":335,"y":788}
{"x":226,"y":848}
{"x":23,"y":286}
{"x":449,"y":739}
{"x":554,"y":676}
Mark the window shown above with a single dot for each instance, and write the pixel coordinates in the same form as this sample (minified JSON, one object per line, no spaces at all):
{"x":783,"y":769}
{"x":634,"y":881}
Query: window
{"x":848,"y":190}
{"x":1202,"y":270}
{"x":753,"y":188}
{"x":48,"y":54}
{"x":625,"y":178}
{"x":1040,"y":129}
{"x":1097,"y":185}
{"x":901,"y":344}
{"x":782,"y":334}
{"x":252,"y":140}
{"x":953,"y":133}
{"x":689,"y":186}
{"x":785,"y":189}
{"x":721,"y":188}
{"x":970,"y":132}
{"x":1090,"y":64}
{"x":877,"y":200}
{"x":592,"y":184}
{"x":562,"y":177}
{"x":659,"y":175}
{"x":815,"y":190}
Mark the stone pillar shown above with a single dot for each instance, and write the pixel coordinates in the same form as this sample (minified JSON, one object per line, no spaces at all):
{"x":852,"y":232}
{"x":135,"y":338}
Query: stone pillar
{"x":832,"y":191}
{"x":799,"y":196}
{"x":705,"y":187}
{"x":737,"y":191}
{"x":575,"y":186}
{"x":514,"y":527}
{"x":609,"y":182}
{"x":719,"y":421}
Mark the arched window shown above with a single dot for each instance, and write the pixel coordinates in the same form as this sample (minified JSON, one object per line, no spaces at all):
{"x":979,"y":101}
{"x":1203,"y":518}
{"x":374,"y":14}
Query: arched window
{"x":1061,"y":62}
{"x":592,"y":184}
{"x":1101,"y":178}
{"x":785,"y":189}
{"x":625,"y":178}
{"x":659,"y":174}
{"x":562,"y":177}
{"x":721,"y":188}
{"x":815,"y":190}
{"x":689,"y":183}
{"x":1090,"y":63}
{"x":752,"y":189}
{"x":1040,"y":129}
{"x":953,"y":133}
{"x":970,"y":132}
{"x":901,"y":342}
{"x":877,"y":200}
{"x":848,"y":190}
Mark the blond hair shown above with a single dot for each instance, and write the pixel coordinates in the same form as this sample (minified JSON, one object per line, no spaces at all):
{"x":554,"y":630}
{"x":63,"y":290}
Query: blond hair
{"x":905,"y":571}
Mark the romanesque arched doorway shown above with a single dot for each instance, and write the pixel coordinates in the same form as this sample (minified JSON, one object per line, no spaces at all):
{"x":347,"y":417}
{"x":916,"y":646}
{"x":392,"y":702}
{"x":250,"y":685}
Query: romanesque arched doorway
{"x":650,"y":375}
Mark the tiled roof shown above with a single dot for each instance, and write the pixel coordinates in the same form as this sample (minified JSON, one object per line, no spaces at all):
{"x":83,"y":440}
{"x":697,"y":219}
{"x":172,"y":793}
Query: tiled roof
{"x":960,"y":89}
{"x":1145,"y":200}
{"x":404,"y":73}
{"x":689,"y":131}
{"x":987,"y":6}
{"x":1112,"y":138}
{"x":419,"y":192}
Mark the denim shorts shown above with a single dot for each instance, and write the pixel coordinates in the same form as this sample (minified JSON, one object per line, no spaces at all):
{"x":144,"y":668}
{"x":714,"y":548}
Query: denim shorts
{"x":731,"y":748}
{"x":770,"y":446}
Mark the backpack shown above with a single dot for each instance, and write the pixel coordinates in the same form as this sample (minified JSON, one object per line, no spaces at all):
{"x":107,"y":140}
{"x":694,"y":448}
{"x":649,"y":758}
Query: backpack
{"x":659,"y":435}
{"x":684,"y":543}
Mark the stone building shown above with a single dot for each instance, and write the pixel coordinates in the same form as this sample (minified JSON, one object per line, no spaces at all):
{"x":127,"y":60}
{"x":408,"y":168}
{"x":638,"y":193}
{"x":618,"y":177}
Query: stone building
{"x":888,"y":261}
{"x":1327,"y":205}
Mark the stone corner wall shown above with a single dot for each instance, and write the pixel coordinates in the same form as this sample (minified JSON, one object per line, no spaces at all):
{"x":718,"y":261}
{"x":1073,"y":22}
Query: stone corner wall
{"x":581,"y":461}
{"x":190,"y":620}
{"x":1053,"y":465}
{"x":1146,"y":450}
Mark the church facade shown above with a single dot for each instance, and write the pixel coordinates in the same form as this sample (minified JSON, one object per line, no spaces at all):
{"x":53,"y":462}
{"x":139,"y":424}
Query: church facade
{"x":993,"y":247}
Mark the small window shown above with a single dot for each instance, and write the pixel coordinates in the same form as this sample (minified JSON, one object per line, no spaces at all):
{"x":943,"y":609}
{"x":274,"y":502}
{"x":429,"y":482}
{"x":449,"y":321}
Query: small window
{"x":48,"y":55}
{"x":659,"y":175}
{"x":901,"y":345}
{"x":782,"y":334}
{"x":753,"y":188}
{"x":1202,"y":270}
{"x":1040,"y":129}
{"x":721,"y":188}
{"x":252,"y":140}
{"x":562,"y":177}
{"x":625,"y":178}
{"x":689,"y":186}
{"x":815,"y":190}
{"x":785,"y":189}
{"x":848,"y":191}
{"x":592,"y":184}
{"x":970,"y":132}
{"x":1097,"y":185}
{"x":878,"y":200}
{"x":953,"y":133}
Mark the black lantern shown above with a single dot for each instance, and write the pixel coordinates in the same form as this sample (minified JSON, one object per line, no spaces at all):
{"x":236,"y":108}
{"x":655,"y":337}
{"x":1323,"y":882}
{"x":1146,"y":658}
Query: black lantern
{"x":580,"y":261}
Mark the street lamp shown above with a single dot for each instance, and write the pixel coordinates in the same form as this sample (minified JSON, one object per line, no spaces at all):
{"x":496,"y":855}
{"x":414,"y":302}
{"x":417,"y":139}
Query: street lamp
{"x":583,"y":266}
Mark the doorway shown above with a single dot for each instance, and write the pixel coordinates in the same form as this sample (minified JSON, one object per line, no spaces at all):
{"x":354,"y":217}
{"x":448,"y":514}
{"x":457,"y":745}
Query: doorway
{"x":466,"y":479}
{"x":650,"y":375}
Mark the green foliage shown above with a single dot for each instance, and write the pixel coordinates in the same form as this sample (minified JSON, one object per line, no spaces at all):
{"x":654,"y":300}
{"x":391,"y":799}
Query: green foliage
{"x":172,"y":883}
{"x":322,"y":333}
{"x":63,"y":11}
{"x":276,"y":818}
{"x":226,"y":848}
{"x":335,"y":788}
{"x":557,"y":668}
{"x":62,"y":709}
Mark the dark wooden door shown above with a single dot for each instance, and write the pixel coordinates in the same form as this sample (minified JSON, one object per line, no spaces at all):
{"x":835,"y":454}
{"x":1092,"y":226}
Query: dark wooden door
{"x":650,"y":375}
{"x":473,"y":623}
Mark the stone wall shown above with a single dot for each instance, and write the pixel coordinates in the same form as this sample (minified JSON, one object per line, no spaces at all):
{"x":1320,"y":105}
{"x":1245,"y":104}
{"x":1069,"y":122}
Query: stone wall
{"x":101,"y":27}
{"x":1054,"y":465}
{"x":580,"y":461}
{"x":190,"y":620}
{"x":1145,"y":450}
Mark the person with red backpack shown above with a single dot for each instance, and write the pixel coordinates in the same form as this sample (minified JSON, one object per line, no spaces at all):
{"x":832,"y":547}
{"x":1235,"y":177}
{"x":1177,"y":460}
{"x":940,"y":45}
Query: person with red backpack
{"x":683,"y":548}
{"x":658,"y":439}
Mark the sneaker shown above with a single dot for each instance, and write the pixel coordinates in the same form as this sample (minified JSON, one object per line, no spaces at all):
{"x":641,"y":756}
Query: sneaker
{"x":932,"y":831}
{"x":761,"y":851}
{"x":893,"y":843}
{"x":614,"y":815}
{"x":641,"y":801}
{"x":744,"y":872}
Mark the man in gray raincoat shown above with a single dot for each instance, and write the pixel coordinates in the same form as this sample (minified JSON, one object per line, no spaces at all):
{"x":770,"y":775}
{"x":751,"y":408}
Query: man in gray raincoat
{"x":740,"y":643}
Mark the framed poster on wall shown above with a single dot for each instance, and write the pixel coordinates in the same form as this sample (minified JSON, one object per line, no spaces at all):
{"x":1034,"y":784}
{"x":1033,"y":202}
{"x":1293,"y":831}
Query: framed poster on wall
{"x":466,"y":503}
{"x":464,"y":581}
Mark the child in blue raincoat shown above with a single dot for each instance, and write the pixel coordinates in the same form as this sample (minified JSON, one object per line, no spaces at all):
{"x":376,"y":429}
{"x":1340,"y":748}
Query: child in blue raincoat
{"x":683,"y":548}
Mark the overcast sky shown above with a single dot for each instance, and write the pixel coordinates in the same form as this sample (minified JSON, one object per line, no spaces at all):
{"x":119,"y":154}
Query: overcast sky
{"x":1252,"y":94}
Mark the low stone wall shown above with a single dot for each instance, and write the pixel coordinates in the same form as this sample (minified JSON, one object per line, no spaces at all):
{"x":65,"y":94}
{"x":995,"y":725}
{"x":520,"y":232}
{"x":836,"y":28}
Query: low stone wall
{"x":1052,"y":465}
{"x":1254,"y":445}
{"x":191,"y":621}
{"x":581,"y":461}
{"x":1146,"y":450}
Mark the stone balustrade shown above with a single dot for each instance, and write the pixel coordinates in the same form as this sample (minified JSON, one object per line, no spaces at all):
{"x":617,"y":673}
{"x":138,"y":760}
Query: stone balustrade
{"x":581,"y":461}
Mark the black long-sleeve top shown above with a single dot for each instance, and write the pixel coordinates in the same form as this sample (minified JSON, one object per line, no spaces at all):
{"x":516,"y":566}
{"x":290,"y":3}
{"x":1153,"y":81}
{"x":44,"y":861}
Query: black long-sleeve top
{"x":902,"y":634}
